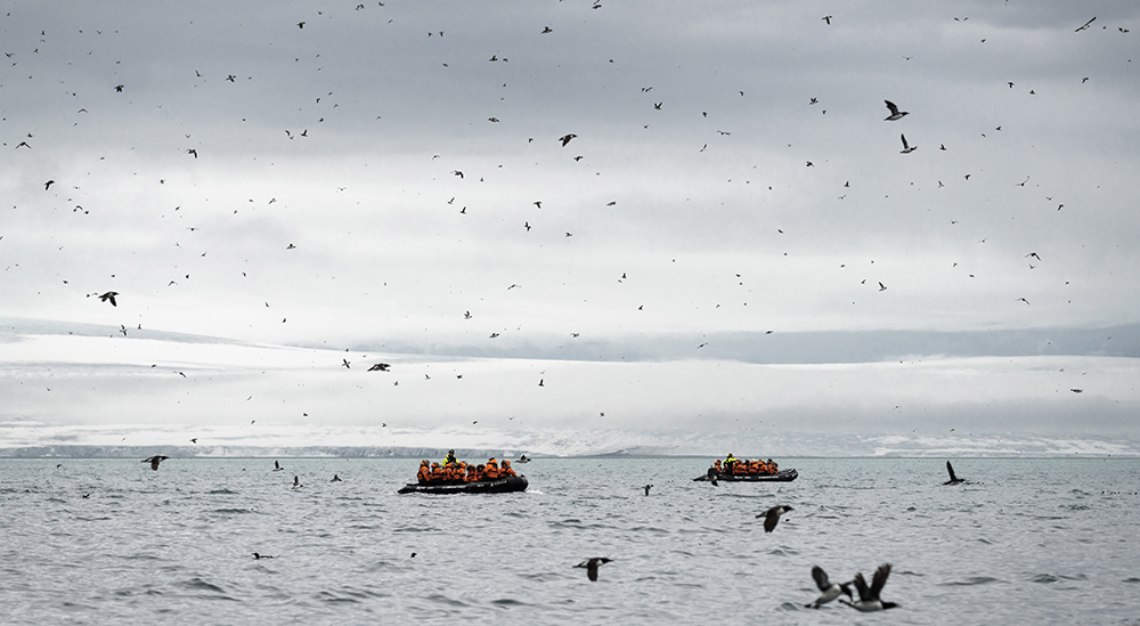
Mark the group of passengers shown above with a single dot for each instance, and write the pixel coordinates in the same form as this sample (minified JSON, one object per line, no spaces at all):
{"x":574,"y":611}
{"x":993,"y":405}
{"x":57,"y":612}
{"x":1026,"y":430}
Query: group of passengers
{"x":452,"y":470}
{"x":754,"y":467}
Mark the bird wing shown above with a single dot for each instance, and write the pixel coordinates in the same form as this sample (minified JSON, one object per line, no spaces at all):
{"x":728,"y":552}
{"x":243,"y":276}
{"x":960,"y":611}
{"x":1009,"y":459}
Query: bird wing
{"x":861,"y":587}
{"x":820,"y":577}
{"x":880,"y":580}
{"x":903,"y":137}
{"x":950,"y":468}
{"x":771,"y":518}
{"x":891,"y":106}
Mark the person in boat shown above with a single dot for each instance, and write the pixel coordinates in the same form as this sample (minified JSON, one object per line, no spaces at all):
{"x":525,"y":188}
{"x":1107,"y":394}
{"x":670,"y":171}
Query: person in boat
{"x":491,"y":469}
{"x":449,"y":459}
{"x":423,"y":476}
{"x":729,"y":461}
{"x":754,"y":467}
{"x":717,"y":466}
{"x":773,"y":468}
{"x":437,"y":473}
{"x":507,"y":471}
{"x":739,"y":468}
{"x":472,"y":474}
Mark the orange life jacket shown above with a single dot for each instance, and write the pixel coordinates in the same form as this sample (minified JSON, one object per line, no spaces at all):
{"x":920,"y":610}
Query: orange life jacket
{"x":507,"y":470}
{"x":424,"y":474}
{"x":491,"y":469}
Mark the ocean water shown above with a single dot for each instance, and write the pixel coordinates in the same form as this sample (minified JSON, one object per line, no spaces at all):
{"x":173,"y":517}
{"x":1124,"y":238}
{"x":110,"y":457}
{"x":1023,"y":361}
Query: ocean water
{"x":1049,"y":541}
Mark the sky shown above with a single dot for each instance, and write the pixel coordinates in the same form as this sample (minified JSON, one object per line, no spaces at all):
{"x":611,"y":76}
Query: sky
{"x":690,"y":222}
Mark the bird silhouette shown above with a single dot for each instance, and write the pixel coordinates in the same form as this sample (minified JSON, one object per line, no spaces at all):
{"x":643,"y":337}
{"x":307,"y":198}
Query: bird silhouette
{"x":907,"y":148}
{"x":828,"y":590}
{"x":565,"y":139}
{"x":154,"y":461}
{"x":954,"y":480}
{"x":869,"y":596}
{"x":896,"y":114}
{"x":110,"y":297}
{"x":592,"y":565}
{"x":772,"y":516}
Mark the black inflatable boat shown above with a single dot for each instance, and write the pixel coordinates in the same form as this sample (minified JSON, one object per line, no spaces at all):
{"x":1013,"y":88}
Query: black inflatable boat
{"x":499,"y":485}
{"x":782,"y":476}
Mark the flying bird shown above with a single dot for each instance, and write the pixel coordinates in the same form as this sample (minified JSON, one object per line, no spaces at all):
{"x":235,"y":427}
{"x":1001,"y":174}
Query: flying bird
{"x":110,"y":297}
{"x":882,"y":287}
{"x":826,"y":18}
{"x":257,"y":556}
{"x":1084,"y":26}
{"x":154,"y":461}
{"x":565,"y":139}
{"x":896,"y":114}
{"x":828,"y":590}
{"x":346,"y":364}
{"x":296,"y":482}
{"x":869,"y":597}
{"x":647,"y":488}
{"x":907,"y":148}
{"x":379,"y":367}
{"x":772,"y":516}
{"x":591,"y":566}
{"x":276,"y":464}
{"x":954,"y":480}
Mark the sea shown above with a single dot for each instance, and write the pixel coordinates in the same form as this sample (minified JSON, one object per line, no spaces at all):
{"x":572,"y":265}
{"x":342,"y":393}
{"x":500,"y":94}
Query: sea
{"x":109,"y":541}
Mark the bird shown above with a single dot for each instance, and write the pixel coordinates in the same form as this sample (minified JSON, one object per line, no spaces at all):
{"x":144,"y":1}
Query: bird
{"x":772,"y":516}
{"x":547,"y":29}
{"x":154,"y":461}
{"x":296,"y":482}
{"x":591,"y":566}
{"x":907,"y":148}
{"x":49,"y":184}
{"x":119,"y":88}
{"x":346,"y":364}
{"x":647,"y":488}
{"x":1085,"y":26}
{"x":826,"y":18}
{"x":882,"y":287}
{"x":1076,"y":390}
{"x":896,"y":114}
{"x":379,"y":367}
{"x":193,"y":152}
{"x":301,"y":25}
{"x":276,"y":464}
{"x":565,"y":139}
{"x":828,"y":590}
{"x":194,"y":440}
{"x":954,"y":480}
{"x":336,"y":478}
{"x":869,"y":597}
{"x":258,"y":556}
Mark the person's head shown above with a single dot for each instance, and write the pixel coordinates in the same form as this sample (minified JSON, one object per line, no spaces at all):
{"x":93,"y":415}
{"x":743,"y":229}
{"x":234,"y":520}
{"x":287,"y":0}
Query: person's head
{"x":506,"y":463}
{"x":435,"y":465}
{"x":424,"y":462}
{"x":451,"y":452}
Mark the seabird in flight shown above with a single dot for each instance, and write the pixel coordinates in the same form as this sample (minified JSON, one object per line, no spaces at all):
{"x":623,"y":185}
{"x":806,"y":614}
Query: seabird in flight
{"x":591,"y":566}
{"x":828,"y":590}
{"x":772,"y":516}
{"x":869,"y":597}
{"x":896,"y":114}
{"x":154,"y":461}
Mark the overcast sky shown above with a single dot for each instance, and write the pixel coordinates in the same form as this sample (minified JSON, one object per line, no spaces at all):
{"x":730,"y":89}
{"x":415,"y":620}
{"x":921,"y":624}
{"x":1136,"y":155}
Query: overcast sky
{"x":392,"y":180}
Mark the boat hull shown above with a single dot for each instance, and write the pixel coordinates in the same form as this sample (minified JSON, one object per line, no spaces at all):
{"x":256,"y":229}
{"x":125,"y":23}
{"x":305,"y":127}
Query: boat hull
{"x":500,"y":485}
{"x":782,"y":477}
